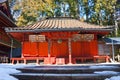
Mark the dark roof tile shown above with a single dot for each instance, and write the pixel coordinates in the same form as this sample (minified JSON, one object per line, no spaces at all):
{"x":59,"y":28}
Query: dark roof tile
{"x":59,"y":24}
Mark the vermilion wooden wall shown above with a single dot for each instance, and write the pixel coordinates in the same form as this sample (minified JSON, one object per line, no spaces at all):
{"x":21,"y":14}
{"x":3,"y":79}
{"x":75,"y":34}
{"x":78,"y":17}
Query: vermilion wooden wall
{"x":94,"y":47}
{"x":79,"y":48}
{"x":29,"y":49}
{"x":84,"y":48}
{"x":43,"y":49}
{"x":35,"y":49}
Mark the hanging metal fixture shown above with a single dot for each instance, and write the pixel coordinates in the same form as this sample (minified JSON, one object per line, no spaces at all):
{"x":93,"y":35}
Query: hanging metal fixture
{"x":59,"y":41}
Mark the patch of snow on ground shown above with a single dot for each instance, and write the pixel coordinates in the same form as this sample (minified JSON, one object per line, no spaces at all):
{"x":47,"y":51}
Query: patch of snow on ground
{"x":110,"y":63}
{"x":106,"y":72}
{"x":7,"y":69}
{"x":113,"y":78}
{"x":103,"y":67}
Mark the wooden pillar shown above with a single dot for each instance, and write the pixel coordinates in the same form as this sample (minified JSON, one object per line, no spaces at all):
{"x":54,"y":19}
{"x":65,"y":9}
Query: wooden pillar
{"x":37,"y":61}
{"x":22,"y":56}
{"x":49,"y":46}
{"x":25,"y":62}
{"x":48,"y":59}
{"x":70,"y":51}
{"x":12,"y":61}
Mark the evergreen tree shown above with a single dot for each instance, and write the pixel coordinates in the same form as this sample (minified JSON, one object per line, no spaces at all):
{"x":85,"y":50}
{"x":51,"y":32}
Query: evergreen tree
{"x":92,"y":11}
{"x":31,"y":10}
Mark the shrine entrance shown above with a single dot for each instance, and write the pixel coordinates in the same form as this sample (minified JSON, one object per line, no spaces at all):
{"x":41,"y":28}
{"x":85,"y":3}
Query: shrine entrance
{"x":59,"y":48}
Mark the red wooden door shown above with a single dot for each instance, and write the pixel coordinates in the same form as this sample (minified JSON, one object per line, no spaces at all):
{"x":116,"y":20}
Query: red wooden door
{"x":93,"y":48}
{"x":85,"y":48}
{"x":76,"y":49}
{"x":29,"y":49}
{"x":59,"y":49}
{"x":43,"y":49}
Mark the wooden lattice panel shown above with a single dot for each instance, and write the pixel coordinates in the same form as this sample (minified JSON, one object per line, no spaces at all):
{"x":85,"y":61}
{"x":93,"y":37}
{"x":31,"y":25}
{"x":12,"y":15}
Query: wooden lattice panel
{"x":37,"y":38}
{"x":82,"y":37}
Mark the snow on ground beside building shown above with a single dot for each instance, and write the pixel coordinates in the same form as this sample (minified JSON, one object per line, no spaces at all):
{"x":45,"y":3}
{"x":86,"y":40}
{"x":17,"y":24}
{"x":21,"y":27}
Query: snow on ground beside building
{"x":7,"y":69}
{"x":103,"y":67}
{"x":106,"y":72}
{"x":113,"y":78}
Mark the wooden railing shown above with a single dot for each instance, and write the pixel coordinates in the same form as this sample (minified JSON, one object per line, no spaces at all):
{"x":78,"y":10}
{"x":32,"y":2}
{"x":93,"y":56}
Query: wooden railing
{"x":54,"y":60}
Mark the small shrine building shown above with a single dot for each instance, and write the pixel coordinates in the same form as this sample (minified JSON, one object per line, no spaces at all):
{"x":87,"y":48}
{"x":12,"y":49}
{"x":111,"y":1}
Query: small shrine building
{"x":60,"y":40}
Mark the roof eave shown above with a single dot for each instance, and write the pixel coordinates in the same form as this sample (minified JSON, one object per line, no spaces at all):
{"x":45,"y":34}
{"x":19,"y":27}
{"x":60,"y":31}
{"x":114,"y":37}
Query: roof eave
{"x":53,"y":30}
{"x":4,"y":16}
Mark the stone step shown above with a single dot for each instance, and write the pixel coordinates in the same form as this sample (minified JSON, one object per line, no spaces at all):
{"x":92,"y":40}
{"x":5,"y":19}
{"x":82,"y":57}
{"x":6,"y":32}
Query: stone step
{"x":68,"y":72}
{"x":41,"y":76}
{"x":67,"y":69}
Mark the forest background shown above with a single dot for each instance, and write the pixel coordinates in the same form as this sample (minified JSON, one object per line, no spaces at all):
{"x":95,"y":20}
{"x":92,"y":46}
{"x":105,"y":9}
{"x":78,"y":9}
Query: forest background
{"x":100,"y":12}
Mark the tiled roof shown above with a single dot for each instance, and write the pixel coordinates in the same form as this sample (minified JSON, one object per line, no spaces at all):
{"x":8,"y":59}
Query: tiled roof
{"x":58,"y":24}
